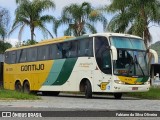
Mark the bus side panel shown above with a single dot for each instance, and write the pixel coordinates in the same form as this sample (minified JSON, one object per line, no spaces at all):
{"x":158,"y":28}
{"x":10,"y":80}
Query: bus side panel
{"x":8,"y":76}
{"x":34,"y":72}
{"x":1,"y":74}
{"x":70,"y":75}
{"x":60,"y":75}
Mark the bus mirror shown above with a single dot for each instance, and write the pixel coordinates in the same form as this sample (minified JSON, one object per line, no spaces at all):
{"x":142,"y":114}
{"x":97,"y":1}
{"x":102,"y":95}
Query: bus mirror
{"x":114,"y":53}
{"x":154,"y":53}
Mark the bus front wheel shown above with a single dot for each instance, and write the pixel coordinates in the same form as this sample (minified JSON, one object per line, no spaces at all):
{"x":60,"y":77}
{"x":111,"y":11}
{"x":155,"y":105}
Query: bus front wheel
{"x":18,"y":86}
{"x":26,"y":87}
{"x":117,"y":95}
{"x":88,"y":90}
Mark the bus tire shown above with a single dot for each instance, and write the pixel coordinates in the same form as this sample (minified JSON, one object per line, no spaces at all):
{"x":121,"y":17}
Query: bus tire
{"x":88,"y":90}
{"x":26,"y":87}
{"x":18,"y":86}
{"x":117,"y":95}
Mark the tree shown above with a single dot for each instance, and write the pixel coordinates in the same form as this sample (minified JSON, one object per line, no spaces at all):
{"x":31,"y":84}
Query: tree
{"x":4,"y":46}
{"x":29,"y":13}
{"x":4,"y":22}
{"x":79,"y":19}
{"x":29,"y":42}
{"x":134,"y":17}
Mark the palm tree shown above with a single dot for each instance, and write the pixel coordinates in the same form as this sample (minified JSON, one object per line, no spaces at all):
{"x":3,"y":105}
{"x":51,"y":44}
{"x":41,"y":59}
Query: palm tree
{"x":79,"y":19}
{"x":134,"y":17}
{"x":4,"y":21}
{"x":29,"y":13}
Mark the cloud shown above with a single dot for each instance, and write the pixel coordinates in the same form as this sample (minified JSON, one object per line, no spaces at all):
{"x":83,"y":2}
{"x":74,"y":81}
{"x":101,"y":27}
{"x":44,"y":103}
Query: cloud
{"x":60,"y":4}
{"x":12,"y":41}
{"x":11,"y":6}
{"x":155,"y":34}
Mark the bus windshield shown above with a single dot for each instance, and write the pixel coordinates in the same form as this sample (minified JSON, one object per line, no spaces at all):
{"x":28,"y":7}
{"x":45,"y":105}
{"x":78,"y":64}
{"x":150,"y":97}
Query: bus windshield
{"x":127,"y":43}
{"x":132,"y":59}
{"x":131,"y":63}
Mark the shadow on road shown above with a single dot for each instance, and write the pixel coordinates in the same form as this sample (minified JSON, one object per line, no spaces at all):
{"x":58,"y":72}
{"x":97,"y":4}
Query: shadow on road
{"x":109,"y":97}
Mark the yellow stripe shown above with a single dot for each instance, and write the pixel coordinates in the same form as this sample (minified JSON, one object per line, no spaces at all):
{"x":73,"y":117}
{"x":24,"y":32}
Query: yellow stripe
{"x":129,"y":80}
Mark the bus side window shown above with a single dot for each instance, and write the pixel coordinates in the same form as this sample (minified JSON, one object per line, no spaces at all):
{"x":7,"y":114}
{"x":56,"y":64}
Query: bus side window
{"x":72,"y":52}
{"x":66,"y":46}
{"x":13,"y":57}
{"x":7,"y":57}
{"x":102,"y":54}
{"x":32,"y":54}
{"x":54,"y":53}
{"x":18,"y":56}
{"x":106,"y":62}
{"x":43,"y":52}
{"x":85,"y":47}
{"x":22,"y":55}
{"x":90,"y":47}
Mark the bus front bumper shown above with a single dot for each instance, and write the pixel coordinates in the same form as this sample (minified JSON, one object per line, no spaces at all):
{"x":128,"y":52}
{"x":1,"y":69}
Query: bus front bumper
{"x":131,"y":88}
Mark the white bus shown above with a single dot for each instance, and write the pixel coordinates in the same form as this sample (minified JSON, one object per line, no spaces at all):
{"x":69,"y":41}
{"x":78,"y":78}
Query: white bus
{"x":103,"y":62}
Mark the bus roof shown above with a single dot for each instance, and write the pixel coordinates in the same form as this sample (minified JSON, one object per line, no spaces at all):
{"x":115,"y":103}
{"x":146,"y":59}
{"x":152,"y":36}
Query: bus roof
{"x":44,"y":42}
{"x":108,"y":34}
{"x":68,"y":38}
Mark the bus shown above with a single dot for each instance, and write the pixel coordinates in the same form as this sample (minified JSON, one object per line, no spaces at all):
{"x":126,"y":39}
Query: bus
{"x":96,"y":63}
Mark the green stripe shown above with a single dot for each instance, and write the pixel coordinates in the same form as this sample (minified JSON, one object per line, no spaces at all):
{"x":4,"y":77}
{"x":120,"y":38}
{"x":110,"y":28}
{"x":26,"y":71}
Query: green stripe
{"x":54,"y":73}
{"x":144,"y":79}
{"x":66,"y":71}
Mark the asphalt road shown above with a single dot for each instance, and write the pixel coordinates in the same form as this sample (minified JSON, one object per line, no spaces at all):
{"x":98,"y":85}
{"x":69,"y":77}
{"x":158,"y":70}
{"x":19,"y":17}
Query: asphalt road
{"x":70,"y":104}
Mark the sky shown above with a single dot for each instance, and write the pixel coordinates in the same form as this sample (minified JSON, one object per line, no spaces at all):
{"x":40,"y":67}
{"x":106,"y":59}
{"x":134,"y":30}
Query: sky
{"x":11,"y":6}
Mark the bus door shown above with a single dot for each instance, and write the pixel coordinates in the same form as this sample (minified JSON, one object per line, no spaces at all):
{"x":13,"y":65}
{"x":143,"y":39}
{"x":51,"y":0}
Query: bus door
{"x":103,"y":70}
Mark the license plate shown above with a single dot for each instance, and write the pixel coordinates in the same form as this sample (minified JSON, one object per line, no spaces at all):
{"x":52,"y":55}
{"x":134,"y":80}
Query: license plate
{"x":134,"y":88}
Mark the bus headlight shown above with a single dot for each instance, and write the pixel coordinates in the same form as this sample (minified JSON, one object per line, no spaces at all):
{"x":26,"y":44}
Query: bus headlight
{"x":148,"y":82}
{"x":119,"y":82}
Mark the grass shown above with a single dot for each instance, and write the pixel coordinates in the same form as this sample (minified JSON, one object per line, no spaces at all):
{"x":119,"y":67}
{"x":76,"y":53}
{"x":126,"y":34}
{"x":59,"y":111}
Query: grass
{"x":152,"y":94}
{"x":14,"y":95}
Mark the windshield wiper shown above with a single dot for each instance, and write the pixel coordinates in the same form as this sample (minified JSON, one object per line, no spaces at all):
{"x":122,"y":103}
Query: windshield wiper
{"x":139,"y":65}
{"x":135,"y":61}
{"x":130,"y":66}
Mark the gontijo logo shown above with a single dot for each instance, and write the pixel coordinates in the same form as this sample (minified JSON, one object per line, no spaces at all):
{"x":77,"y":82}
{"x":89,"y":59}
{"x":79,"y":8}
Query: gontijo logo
{"x":32,"y":67}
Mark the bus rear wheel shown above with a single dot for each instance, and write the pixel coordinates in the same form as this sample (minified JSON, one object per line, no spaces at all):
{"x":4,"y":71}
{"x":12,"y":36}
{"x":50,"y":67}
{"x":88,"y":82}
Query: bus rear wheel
{"x":117,"y":95}
{"x":88,"y":89}
{"x":26,"y":87}
{"x":18,"y":86}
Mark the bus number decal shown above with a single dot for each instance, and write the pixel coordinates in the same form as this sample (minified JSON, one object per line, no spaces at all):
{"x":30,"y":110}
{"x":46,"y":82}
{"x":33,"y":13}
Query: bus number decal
{"x":103,"y":85}
{"x":9,"y":69}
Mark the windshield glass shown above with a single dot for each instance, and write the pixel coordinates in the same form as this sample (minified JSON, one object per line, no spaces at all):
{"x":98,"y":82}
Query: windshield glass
{"x":130,"y":43}
{"x":131,"y":63}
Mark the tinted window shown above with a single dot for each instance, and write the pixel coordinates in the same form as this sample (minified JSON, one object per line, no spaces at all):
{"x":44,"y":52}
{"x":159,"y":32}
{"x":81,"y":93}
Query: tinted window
{"x":18,"y":56}
{"x":32,"y":54}
{"x":73,"y":50}
{"x":66,"y":47}
{"x":70,"y":49}
{"x":43,"y":52}
{"x":23,"y":55}
{"x":55,"y":52}
{"x":7,"y":57}
{"x":13,"y":57}
{"x":130,"y":43}
{"x":85,"y":47}
{"x":10,"y":57}
{"x":102,"y":54}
